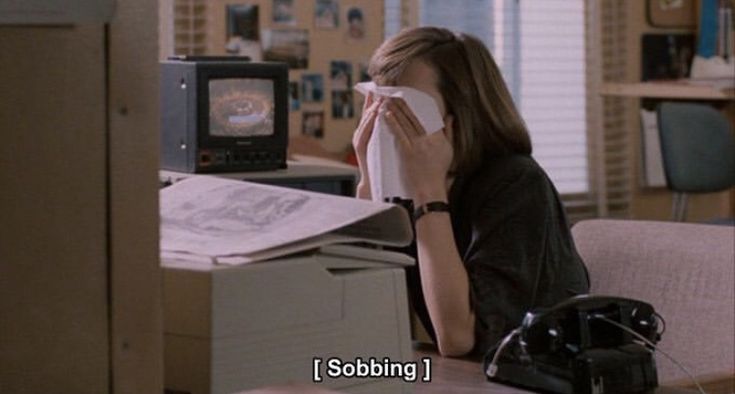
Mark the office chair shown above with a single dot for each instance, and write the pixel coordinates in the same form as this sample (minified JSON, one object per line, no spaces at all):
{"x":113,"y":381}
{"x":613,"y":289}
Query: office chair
{"x":698,"y":151}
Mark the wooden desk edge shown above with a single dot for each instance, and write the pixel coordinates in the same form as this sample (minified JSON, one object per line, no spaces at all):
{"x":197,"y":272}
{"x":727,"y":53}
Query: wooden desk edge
{"x":665,"y":90}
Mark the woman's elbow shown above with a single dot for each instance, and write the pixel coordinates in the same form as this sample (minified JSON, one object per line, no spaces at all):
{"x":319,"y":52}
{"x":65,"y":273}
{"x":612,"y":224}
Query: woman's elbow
{"x":455,"y":343}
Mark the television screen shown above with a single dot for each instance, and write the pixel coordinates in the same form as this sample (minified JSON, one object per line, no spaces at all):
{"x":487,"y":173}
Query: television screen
{"x":241,"y":107}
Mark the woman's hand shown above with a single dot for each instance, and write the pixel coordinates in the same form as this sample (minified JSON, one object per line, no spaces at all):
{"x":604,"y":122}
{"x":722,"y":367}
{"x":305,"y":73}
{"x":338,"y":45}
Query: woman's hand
{"x":360,"y":142}
{"x":426,"y":161}
{"x":426,"y":158}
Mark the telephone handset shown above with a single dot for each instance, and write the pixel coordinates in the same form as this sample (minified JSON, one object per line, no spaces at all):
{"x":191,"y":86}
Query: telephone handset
{"x":582,"y":345}
{"x":575,"y":324}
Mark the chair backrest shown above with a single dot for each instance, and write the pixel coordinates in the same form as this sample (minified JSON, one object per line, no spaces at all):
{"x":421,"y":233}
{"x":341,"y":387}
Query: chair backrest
{"x":686,"y":271}
{"x":697,"y":146}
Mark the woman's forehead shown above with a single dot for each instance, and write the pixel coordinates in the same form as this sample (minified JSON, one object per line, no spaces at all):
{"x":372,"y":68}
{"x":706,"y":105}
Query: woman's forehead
{"x":417,"y":73}
{"x":421,"y":76}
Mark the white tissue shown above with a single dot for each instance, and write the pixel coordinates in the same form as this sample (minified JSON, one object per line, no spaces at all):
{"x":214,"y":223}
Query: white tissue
{"x":383,"y":161}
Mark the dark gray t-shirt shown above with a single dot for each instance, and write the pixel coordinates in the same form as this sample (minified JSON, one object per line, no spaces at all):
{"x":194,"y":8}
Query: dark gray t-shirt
{"x":513,"y":237}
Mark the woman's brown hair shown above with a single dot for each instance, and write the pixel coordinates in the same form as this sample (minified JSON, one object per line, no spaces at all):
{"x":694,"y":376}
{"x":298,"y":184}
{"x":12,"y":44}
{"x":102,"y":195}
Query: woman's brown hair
{"x":486,"y":122}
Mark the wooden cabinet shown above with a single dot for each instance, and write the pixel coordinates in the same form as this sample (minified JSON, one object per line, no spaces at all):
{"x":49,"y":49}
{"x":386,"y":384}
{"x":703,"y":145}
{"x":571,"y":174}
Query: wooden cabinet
{"x":79,"y":271}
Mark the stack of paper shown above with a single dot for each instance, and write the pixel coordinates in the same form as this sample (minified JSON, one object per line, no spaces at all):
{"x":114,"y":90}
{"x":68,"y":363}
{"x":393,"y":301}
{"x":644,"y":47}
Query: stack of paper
{"x":223,"y":221}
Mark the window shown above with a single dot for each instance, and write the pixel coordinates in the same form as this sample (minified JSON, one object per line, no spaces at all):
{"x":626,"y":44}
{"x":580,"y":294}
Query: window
{"x":540,"y":47}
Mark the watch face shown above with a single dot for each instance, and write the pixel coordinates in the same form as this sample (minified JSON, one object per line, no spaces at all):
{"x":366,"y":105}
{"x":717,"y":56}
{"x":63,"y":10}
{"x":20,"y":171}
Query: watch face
{"x":241,"y":107}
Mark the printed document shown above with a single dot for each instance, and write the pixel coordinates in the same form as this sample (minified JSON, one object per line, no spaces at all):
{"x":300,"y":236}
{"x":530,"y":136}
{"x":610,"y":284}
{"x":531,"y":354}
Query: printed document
{"x":232,"y":222}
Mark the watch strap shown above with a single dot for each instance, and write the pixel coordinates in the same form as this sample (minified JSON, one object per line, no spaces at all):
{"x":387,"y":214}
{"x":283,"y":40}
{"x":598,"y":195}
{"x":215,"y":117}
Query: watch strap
{"x":434,"y":206}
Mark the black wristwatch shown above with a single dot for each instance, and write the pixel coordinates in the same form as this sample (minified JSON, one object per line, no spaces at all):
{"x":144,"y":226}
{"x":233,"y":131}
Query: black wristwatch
{"x":434,"y":206}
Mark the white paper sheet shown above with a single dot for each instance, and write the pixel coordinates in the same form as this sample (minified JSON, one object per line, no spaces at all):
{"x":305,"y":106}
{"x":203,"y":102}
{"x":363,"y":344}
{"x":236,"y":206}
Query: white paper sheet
{"x":228,"y":221}
{"x":383,"y":161}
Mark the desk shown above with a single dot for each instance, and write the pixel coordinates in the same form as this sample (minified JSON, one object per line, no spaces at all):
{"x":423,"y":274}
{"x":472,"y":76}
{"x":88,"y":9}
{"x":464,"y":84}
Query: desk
{"x":448,"y":375}
{"x":666,"y":90}
{"x":330,"y":179}
{"x":453,"y":375}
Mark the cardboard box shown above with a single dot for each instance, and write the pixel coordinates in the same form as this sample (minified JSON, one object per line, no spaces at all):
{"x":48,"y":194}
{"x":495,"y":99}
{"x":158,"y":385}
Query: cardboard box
{"x":232,"y":328}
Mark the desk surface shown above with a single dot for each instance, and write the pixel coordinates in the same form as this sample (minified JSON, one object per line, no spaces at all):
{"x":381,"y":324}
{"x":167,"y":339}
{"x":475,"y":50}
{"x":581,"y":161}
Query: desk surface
{"x":452,"y":375}
{"x":449,"y":375}
{"x":295,"y":170}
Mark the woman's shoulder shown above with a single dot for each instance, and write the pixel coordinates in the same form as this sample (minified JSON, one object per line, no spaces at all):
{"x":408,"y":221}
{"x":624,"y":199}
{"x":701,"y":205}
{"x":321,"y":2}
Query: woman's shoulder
{"x":498,"y":173}
{"x":511,"y":164}
{"x":503,"y":181}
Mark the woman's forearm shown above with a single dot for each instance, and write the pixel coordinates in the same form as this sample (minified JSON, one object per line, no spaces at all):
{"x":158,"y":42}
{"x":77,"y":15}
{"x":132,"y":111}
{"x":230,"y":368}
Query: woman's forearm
{"x":445,"y":285}
{"x":362,"y":191}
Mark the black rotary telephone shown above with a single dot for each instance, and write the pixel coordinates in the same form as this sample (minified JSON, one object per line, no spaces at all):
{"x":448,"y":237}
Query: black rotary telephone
{"x":584,"y":345}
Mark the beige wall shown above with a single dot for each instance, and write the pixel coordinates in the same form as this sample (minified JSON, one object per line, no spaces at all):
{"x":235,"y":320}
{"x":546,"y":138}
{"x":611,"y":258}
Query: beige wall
{"x":655,"y":203}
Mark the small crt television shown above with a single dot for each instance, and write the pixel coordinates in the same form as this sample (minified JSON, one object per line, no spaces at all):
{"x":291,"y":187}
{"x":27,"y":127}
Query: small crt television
{"x":223,"y":114}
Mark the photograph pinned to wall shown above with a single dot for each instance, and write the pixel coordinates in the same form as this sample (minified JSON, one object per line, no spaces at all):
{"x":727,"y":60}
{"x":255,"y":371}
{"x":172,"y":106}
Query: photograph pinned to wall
{"x":293,"y":96}
{"x":243,"y":38}
{"x":287,"y":45}
{"x":312,"y":124}
{"x":283,"y":12}
{"x":326,"y":14}
{"x":312,"y":87}
{"x":341,"y":75}
{"x":363,"y":70}
{"x":343,"y":104}
{"x":355,"y":23}
{"x":362,"y":76}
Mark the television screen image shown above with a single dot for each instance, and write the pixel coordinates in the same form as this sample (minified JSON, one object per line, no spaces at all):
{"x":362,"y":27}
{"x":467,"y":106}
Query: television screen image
{"x":241,"y":107}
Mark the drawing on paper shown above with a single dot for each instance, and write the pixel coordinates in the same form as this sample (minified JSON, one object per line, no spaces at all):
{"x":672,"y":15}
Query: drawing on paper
{"x":234,"y":210}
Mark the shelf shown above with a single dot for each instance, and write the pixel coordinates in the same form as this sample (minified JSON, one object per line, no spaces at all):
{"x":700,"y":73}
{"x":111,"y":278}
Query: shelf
{"x":668,"y":89}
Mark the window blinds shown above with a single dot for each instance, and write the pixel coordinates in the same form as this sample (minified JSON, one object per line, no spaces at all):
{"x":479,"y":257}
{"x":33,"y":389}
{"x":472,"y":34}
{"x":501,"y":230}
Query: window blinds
{"x":540,"y":48}
{"x":552,"y":88}
{"x":392,"y":21}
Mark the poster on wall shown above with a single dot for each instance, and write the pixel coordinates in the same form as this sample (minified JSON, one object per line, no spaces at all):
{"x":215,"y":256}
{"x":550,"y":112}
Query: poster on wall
{"x":362,"y":76}
{"x":293,"y":96}
{"x":283,"y":12}
{"x":243,"y":38}
{"x":312,"y":124}
{"x":312,"y":87}
{"x":363,"y":73}
{"x":342,"y":104}
{"x":355,"y":24}
{"x":287,"y":45}
{"x":326,"y":14}
{"x":341,"y":75}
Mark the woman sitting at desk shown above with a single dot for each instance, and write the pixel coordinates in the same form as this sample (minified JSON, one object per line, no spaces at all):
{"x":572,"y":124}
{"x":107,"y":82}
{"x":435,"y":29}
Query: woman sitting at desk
{"x":494,"y":241}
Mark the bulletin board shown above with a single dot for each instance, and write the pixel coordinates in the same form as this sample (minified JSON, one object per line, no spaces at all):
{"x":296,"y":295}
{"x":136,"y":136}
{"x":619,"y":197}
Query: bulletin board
{"x":326,"y":52}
